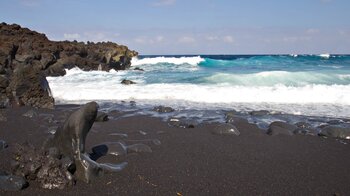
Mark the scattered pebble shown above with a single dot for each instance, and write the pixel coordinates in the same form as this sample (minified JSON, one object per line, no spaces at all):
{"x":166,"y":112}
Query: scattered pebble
{"x":142,"y":133}
{"x":139,"y":148}
{"x":30,"y":114}
{"x":123,"y":135}
{"x":3,"y":144}
{"x":156,"y":142}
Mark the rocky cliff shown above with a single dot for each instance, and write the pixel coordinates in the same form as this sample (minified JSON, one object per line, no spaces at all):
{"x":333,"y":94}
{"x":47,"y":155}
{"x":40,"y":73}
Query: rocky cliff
{"x":27,"y":57}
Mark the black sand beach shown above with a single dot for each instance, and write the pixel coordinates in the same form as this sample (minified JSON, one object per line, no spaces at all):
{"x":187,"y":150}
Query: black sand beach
{"x":190,"y":161}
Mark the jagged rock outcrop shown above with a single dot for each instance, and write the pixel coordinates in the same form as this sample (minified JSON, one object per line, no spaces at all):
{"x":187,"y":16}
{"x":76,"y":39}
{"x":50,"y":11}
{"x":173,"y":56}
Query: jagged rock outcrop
{"x":26,"y":57}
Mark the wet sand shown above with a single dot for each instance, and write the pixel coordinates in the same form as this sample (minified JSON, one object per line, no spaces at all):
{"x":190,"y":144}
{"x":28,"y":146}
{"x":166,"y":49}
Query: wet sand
{"x":192,"y":161}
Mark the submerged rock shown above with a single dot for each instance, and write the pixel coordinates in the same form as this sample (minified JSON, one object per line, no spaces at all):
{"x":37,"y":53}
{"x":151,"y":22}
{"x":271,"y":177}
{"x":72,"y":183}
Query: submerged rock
{"x":336,"y":132}
{"x":225,"y":129}
{"x":138,"y":69}
{"x":281,"y":128}
{"x":127,"y":82}
{"x":163,"y":109}
{"x":259,"y":113}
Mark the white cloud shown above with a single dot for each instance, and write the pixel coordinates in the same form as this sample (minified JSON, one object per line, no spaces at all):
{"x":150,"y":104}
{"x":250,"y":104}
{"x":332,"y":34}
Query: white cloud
{"x":148,"y":40}
{"x":164,"y":2}
{"x":212,"y":38}
{"x":140,"y":40}
{"x":186,"y":39}
{"x":312,"y":31}
{"x":228,"y":39}
{"x":159,"y":38}
{"x":294,"y":39}
{"x":96,"y":36}
{"x":71,"y":36}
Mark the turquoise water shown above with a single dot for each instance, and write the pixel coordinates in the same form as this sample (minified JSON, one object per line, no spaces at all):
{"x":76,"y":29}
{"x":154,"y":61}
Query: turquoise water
{"x":316,"y":85}
{"x":250,"y":70}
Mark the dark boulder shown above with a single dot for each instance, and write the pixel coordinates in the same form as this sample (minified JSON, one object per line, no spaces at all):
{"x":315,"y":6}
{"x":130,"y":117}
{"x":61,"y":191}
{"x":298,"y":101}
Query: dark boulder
{"x":259,"y":113}
{"x":127,"y":82}
{"x":30,"y":87}
{"x":163,"y":109}
{"x":281,"y":128}
{"x":304,"y":128}
{"x":138,"y":69}
{"x":233,"y":118}
{"x":336,"y":132}
{"x":225,"y":129}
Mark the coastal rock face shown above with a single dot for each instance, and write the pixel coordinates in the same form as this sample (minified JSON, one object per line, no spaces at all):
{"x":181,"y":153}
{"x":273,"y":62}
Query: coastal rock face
{"x":27,"y":57}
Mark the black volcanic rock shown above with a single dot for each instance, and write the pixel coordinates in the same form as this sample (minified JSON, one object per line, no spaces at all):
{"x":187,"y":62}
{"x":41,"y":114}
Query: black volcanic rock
{"x":27,"y":57}
{"x":281,"y":128}
{"x":127,"y":82}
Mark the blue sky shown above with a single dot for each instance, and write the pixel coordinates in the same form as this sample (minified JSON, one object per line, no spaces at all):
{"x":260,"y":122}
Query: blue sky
{"x":192,"y":26}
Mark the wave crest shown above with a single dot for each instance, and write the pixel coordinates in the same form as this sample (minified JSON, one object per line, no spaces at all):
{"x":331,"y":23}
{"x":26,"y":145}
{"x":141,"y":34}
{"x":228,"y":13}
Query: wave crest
{"x":171,"y":60}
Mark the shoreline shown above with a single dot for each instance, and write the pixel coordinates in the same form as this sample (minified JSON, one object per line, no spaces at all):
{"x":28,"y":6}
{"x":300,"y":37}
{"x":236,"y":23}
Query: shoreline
{"x":191,"y":160}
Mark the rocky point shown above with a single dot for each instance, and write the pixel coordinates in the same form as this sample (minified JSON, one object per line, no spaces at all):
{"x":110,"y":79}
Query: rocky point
{"x":27,"y":57}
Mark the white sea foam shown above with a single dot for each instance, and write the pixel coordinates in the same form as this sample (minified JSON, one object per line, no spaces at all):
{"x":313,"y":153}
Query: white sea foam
{"x":326,"y":55}
{"x":173,"y":60}
{"x":271,"y":78}
{"x":78,"y":87}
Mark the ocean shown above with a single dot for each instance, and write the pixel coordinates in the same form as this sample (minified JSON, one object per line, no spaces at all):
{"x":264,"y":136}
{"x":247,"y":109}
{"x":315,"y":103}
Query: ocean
{"x":203,"y":85}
